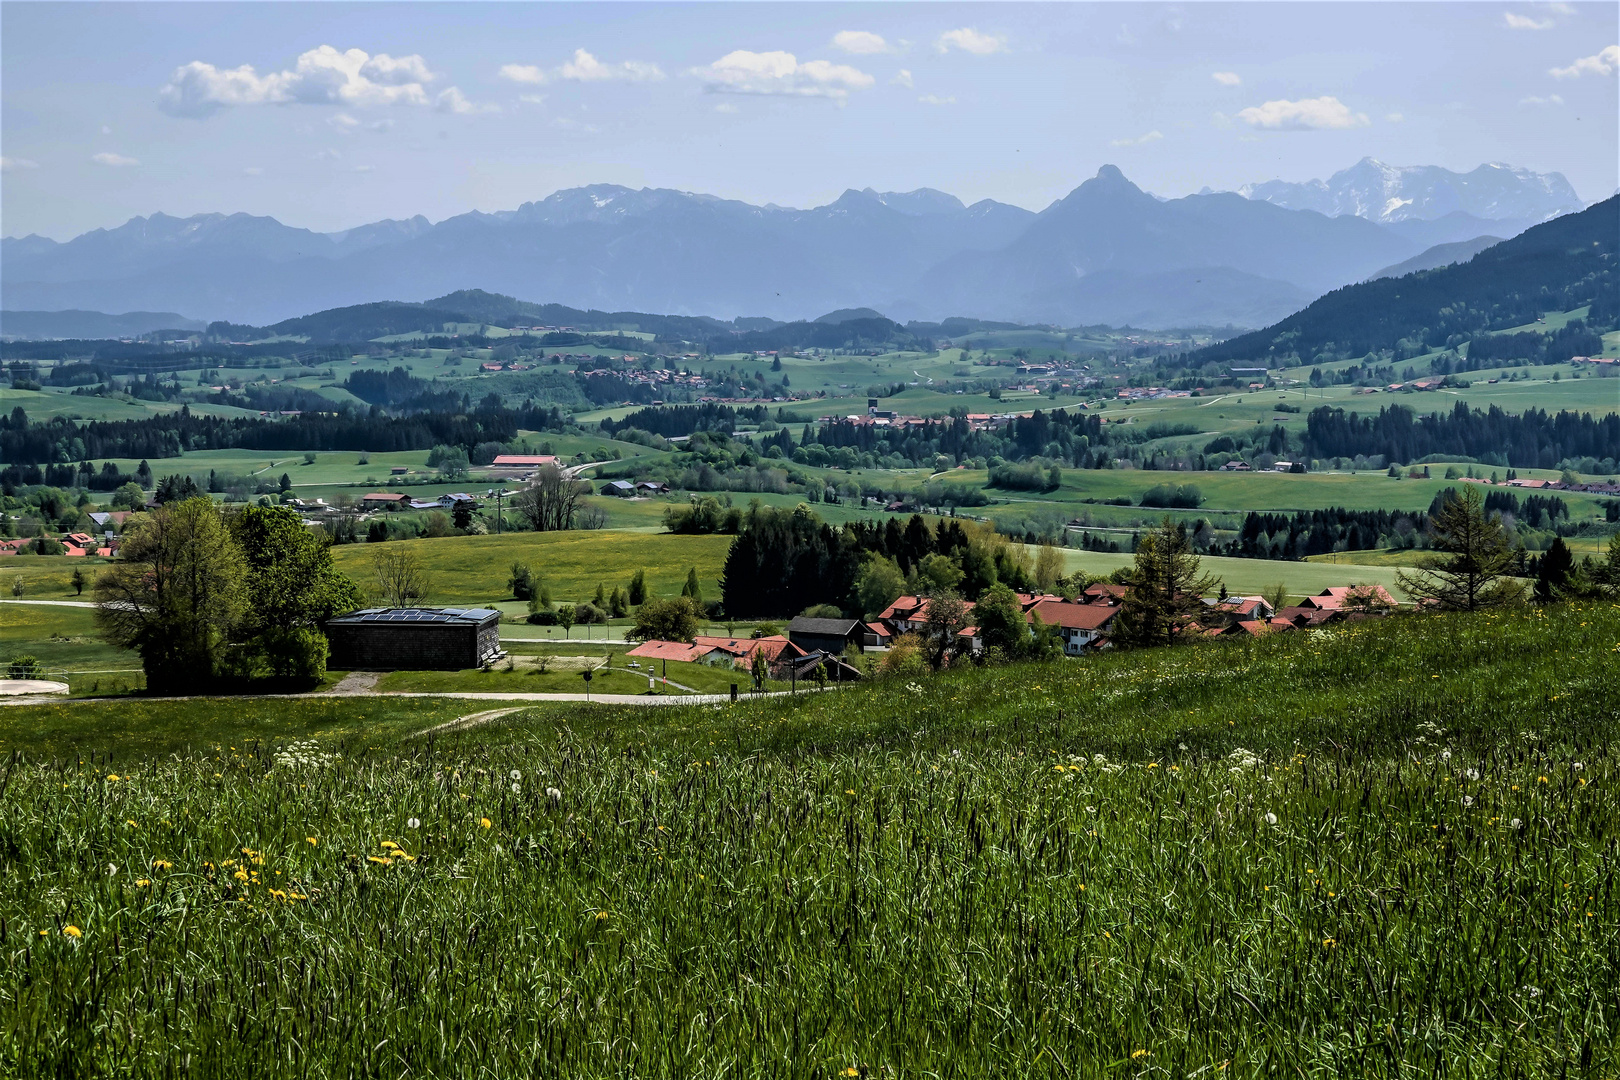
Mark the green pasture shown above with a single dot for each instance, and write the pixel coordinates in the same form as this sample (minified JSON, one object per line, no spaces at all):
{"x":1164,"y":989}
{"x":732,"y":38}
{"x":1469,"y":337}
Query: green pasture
{"x":1365,"y":490}
{"x":475,"y":569}
{"x":1374,"y":851}
{"x":1250,"y":577}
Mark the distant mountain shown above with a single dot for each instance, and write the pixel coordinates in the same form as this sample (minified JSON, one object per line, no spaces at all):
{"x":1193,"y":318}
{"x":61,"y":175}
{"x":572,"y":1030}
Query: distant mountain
{"x":45,"y":325}
{"x":1106,"y":253}
{"x":844,"y":315}
{"x":1562,"y":264}
{"x":1389,"y":193}
{"x":1438,"y":256}
{"x":1110,"y":252}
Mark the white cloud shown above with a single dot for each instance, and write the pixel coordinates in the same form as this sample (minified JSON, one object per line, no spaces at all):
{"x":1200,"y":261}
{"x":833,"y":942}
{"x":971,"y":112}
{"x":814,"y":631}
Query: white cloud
{"x":322,"y":76}
{"x":902,"y":78}
{"x":115,"y":160}
{"x":532,"y":99}
{"x":105,"y":130}
{"x":523,"y":73}
{"x":452,"y":100}
{"x":970,"y":40}
{"x":780,"y":73}
{"x":1606,"y":62}
{"x":586,"y":68}
{"x":1561,"y":8}
{"x":861,"y":42}
{"x":1140,"y":140}
{"x":1227,"y":78}
{"x":343,"y":122}
{"x":1550,"y":99}
{"x":935,"y":99}
{"x":14,"y":164}
{"x":1307,"y":114}
{"x":1524,"y":22}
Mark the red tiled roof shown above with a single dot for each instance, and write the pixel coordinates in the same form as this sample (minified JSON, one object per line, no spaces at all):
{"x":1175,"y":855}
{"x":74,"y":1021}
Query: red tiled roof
{"x":381,"y":496}
{"x":745,"y":648}
{"x":670,"y":650}
{"x":1071,"y":616}
{"x":517,"y":460}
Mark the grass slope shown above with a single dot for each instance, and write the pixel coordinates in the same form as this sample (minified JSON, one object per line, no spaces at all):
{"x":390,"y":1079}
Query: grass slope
{"x":1374,"y":851}
{"x":475,"y":569}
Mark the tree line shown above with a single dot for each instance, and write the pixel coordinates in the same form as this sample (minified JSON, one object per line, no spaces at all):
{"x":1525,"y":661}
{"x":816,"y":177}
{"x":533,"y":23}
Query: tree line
{"x":57,"y":439}
{"x":1533,"y":439}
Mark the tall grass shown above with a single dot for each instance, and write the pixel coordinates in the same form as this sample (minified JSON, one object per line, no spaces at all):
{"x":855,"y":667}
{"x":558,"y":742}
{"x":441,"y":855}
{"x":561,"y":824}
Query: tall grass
{"x":1348,"y":854}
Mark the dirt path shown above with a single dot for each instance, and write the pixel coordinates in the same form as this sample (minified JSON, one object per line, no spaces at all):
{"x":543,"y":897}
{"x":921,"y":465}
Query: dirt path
{"x":356,"y":682}
{"x":471,"y":720}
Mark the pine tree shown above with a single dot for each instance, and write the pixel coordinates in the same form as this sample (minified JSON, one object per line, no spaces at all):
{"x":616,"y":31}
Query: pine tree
{"x":1166,"y":590}
{"x":600,"y":599}
{"x":1553,"y":571}
{"x":1475,"y":571}
{"x":692,"y":589}
{"x":638,"y":588}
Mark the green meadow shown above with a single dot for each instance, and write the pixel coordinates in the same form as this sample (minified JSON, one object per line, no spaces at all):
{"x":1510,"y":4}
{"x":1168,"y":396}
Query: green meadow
{"x":1375,"y":850}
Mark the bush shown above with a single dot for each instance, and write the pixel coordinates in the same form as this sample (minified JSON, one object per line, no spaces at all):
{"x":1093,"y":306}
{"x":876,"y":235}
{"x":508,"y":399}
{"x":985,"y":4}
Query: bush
{"x":823,"y":611}
{"x":1029,"y":476}
{"x":521,"y":582}
{"x":1183,"y":496}
{"x":23,"y":667}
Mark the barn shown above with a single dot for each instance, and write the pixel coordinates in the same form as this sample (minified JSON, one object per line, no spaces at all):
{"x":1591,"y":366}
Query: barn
{"x":413,"y":639}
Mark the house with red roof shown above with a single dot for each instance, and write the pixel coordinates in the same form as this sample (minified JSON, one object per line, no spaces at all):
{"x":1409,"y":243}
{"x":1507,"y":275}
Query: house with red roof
{"x":1079,"y":625}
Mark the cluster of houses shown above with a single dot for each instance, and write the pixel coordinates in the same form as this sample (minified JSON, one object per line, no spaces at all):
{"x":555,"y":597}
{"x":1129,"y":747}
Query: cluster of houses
{"x":1082,"y":624}
{"x":1591,"y":487}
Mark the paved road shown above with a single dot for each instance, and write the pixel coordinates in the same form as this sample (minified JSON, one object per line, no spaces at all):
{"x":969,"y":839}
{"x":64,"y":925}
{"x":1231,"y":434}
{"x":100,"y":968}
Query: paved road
{"x":52,"y":603}
{"x":595,"y":699}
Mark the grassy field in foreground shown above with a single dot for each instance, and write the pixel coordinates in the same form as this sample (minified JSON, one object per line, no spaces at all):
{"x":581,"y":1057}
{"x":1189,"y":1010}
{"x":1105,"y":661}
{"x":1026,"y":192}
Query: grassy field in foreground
{"x":1374,"y":851}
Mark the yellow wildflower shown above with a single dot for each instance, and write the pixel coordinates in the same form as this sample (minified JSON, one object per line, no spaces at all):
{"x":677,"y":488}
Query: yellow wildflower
{"x":162,"y":864}
{"x":312,"y":840}
{"x":141,"y":883}
{"x":72,"y":931}
{"x":485,"y":822}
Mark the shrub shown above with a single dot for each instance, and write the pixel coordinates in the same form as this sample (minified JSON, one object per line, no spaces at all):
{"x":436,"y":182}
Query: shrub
{"x":23,"y":667}
{"x":1184,"y":496}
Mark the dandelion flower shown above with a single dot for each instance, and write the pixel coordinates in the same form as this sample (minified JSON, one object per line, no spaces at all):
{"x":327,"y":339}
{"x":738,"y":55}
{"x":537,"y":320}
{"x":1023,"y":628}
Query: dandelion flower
{"x":112,"y":776}
{"x":1515,"y":823}
{"x":72,"y":931}
{"x":517,"y":789}
{"x":553,"y":794}
{"x":311,"y":841}
{"x":389,"y":844}
{"x":240,"y":875}
{"x":1138,"y":1054}
{"x":141,"y":883}
{"x":485,"y":822}
{"x":413,"y":823}
{"x":517,"y":774}
{"x":1271,"y":819}
{"x":601,"y":916}
{"x":378,"y":859}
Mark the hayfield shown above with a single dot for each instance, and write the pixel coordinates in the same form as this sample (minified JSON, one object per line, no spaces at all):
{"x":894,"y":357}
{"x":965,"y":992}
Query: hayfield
{"x":1374,"y":851}
{"x":475,"y":569}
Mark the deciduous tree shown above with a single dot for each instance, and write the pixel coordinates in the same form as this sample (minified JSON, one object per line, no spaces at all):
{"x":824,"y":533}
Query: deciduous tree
{"x":398,"y":576}
{"x":551,"y":501}
{"x":174,"y":594}
{"x":666,"y":620}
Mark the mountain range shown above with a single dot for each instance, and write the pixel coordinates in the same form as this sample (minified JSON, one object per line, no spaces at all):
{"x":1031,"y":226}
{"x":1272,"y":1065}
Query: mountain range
{"x":1391,"y":193}
{"x":1108,"y":252}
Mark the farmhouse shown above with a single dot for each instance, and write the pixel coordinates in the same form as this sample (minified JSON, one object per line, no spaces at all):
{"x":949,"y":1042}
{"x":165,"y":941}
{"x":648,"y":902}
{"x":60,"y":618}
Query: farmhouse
{"x":387,"y":639}
{"x":383,"y":500}
{"x":1079,"y":625}
{"x":825,"y":635}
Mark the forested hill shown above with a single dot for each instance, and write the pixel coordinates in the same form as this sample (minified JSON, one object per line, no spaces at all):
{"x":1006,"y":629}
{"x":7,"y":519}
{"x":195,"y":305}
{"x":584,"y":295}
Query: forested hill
{"x":1559,"y":265}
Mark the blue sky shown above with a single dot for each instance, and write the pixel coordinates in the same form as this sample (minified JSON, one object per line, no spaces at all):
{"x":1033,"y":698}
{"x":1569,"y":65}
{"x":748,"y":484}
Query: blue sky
{"x":331,"y":115}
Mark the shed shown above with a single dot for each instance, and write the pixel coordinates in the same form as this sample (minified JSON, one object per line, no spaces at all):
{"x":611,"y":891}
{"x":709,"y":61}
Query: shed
{"x":826,"y":635}
{"x":388,"y":639}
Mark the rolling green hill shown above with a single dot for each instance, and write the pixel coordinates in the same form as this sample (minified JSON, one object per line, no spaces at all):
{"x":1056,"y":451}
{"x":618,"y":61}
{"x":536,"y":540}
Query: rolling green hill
{"x":1559,"y":265}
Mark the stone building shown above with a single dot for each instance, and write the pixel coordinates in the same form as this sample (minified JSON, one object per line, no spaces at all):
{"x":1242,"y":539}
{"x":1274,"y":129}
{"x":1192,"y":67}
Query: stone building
{"x":388,"y":639}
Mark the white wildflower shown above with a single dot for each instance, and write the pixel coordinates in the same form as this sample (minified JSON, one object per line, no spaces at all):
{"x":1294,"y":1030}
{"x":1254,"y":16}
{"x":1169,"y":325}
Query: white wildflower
{"x":517,"y":774}
{"x":1271,"y":819}
{"x":1471,"y":774}
{"x":517,"y":789}
{"x":553,"y":794}
{"x":413,"y":823}
{"x":1515,"y":823}
{"x":1468,"y":800}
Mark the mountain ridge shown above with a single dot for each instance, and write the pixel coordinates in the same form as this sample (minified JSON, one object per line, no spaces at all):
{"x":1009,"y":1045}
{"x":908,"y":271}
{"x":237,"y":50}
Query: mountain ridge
{"x":1108,"y":252}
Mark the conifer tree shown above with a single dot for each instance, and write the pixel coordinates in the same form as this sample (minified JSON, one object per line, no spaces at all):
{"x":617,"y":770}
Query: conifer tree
{"x":1475,"y":568}
{"x":1166,"y":592}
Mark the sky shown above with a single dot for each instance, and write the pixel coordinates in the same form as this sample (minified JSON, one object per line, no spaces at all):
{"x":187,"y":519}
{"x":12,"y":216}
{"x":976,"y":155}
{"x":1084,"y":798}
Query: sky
{"x":331,"y":115}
